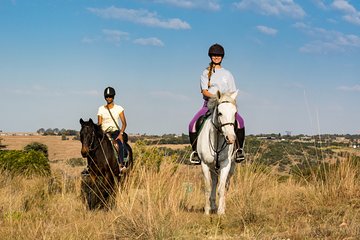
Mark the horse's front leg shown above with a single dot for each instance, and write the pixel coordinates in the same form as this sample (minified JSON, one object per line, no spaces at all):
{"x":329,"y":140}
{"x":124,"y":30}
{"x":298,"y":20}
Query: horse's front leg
{"x":214,"y":182}
{"x":207,"y":181}
{"x":224,"y":172}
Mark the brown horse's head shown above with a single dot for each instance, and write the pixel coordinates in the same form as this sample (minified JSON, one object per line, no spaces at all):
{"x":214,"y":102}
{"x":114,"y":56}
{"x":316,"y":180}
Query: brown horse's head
{"x":87,"y":136}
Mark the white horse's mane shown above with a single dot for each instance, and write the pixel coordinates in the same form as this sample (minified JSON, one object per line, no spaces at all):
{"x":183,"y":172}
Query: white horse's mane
{"x":215,"y":100}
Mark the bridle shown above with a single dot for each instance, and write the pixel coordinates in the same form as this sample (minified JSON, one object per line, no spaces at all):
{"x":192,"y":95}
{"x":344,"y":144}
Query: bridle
{"x":93,"y":137}
{"x":219,"y":132}
{"x":218,"y":127}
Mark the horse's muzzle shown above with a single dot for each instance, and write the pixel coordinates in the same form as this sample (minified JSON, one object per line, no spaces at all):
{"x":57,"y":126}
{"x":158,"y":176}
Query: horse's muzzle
{"x":84,"y":151}
{"x":230,"y":140}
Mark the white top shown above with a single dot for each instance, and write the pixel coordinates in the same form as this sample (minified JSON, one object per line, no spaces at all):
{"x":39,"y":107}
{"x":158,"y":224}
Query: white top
{"x":108,"y":124}
{"x":221,"y":80}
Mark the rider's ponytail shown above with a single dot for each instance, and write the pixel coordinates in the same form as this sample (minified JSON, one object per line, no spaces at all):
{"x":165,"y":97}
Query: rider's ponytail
{"x":211,"y":69}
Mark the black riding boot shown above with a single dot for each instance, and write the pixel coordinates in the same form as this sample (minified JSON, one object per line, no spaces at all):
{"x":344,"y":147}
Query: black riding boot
{"x":240,"y":138}
{"x":194,"y":158}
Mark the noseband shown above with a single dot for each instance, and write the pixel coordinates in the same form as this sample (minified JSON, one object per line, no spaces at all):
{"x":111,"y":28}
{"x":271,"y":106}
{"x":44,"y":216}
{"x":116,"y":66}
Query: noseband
{"x":91,"y":147}
{"x":218,"y":127}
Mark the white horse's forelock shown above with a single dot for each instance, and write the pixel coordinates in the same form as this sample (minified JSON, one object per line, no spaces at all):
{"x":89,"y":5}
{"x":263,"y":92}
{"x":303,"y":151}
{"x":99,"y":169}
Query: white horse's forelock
{"x":225,"y":97}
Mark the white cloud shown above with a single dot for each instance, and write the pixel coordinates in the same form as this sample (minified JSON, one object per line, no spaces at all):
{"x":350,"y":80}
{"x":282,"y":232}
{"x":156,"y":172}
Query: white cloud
{"x":267,"y":30}
{"x":149,"y":41}
{"x":140,"y":16}
{"x":326,"y":41}
{"x":355,"y":88}
{"x":190,"y":4}
{"x":320,"y":4}
{"x":352,"y":15}
{"x":273,"y":7}
{"x":115,"y":36}
{"x":89,"y":40}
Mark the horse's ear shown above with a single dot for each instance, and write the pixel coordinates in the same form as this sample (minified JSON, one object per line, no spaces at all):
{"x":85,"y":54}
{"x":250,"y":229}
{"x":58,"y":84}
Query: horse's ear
{"x":91,"y":121}
{"x":234,"y":94}
{"x":81,"y":121}
{"x":218,"y":94}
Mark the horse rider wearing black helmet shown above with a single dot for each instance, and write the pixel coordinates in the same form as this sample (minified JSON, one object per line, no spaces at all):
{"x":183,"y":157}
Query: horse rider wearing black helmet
{"x":108,"y":118}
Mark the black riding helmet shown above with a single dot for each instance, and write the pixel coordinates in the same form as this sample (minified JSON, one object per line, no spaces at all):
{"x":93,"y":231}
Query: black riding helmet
{"x":109,"y":92}
{"x":217,"y":50}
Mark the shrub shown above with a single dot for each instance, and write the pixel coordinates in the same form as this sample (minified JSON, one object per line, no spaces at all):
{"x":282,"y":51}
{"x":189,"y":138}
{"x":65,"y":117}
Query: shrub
{"x":39,"y":147}
{"x":74,"y":162}
{"x":63,"y":137}
{"x":25,"y":162}
{"x":2,"y":145}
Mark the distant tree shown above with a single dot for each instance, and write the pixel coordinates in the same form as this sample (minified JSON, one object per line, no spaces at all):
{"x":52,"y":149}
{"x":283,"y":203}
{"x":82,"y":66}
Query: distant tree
{"x":62,"y":131}
{"x":41,"y":131}
{"x":49,"y":131}
{"x":70,"y":132}
{"x":56,"y":131}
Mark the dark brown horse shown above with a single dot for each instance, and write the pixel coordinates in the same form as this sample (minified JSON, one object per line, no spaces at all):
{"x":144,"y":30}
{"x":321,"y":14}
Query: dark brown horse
{"x":99,"y":187}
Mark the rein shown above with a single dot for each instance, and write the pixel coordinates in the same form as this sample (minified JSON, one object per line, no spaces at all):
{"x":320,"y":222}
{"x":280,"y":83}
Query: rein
{"x":219,"y":132}
{"x":93,"y":140}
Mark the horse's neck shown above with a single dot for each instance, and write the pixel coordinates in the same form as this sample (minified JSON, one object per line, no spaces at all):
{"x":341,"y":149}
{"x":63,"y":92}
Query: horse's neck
{"x":210,"y":141}
{"x":101,"y":142}
{"x":210,"y":129}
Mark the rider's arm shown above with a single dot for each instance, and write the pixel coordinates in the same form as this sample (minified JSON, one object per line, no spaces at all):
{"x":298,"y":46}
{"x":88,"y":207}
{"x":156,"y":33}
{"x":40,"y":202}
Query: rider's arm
{"x":123,"y":125}
{"x":123,"y":122}
{"x":206,"y":93}
{"x":99,"y":120}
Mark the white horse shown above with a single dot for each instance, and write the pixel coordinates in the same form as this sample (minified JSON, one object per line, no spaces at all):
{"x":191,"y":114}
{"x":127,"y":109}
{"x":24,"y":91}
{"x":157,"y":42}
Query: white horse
{"x":215,"y":147}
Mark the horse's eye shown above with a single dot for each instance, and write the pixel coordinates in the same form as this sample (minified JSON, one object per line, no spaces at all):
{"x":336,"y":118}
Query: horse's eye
{"x":219,"y":114}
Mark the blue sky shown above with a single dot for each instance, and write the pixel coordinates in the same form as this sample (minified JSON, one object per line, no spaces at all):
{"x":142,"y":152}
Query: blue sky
{"x":296,"y":63}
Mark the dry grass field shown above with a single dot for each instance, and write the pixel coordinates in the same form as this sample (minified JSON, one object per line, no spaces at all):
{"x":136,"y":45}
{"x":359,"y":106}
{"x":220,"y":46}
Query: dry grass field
{"x":58,"y":149}
{"x":166,"y":202}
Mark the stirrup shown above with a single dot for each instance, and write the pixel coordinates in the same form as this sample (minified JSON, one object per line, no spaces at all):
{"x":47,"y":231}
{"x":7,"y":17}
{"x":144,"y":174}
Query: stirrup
{"x":123,"y":169}
{"x":194,"y":158}
{"x":239,"y":155}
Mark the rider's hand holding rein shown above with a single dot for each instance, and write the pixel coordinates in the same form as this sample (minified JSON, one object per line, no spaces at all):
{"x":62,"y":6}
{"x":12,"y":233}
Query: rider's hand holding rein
{"x":123,"y":126}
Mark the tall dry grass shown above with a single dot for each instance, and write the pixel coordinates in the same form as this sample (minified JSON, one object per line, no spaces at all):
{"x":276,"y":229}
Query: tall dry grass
{"x":166,"y":202}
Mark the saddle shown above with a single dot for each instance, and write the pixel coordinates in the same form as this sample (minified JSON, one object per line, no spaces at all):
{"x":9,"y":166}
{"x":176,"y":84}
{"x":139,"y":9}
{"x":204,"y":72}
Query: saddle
{"x":200,"y":122}
{"x":116,"y":146}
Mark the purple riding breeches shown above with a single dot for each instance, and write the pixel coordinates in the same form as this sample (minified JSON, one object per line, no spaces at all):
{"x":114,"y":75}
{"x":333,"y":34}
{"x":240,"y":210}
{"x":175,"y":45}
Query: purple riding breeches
{"x":203,"y":110}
